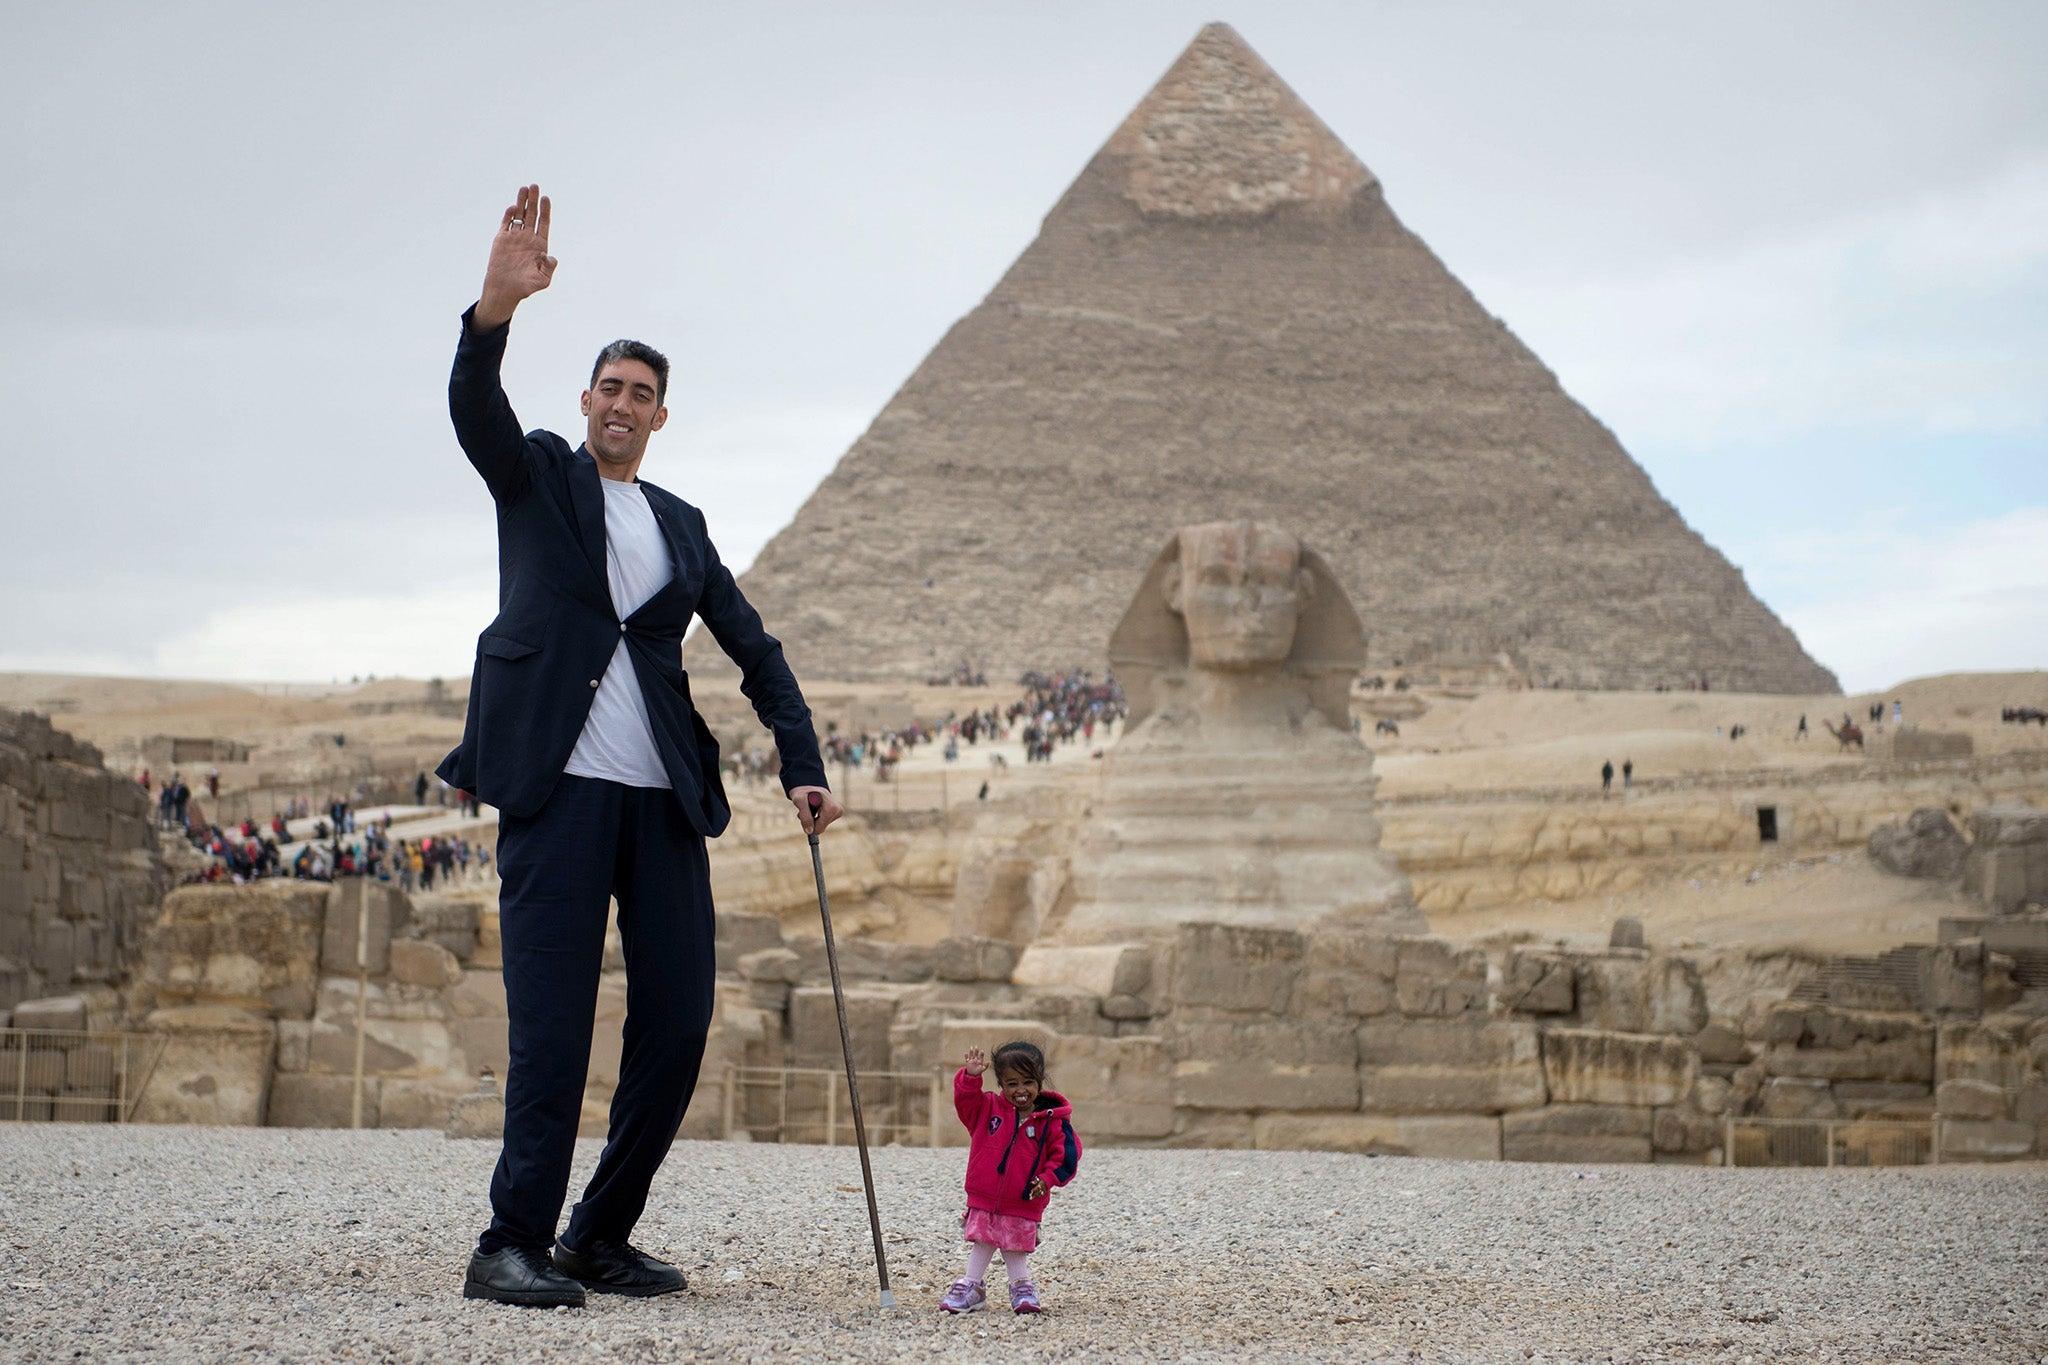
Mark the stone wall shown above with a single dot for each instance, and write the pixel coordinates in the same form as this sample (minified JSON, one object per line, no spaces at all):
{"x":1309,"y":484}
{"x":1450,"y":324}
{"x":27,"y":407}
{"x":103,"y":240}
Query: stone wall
{"x":1349,"y":1041}
{"x":79,"y":872}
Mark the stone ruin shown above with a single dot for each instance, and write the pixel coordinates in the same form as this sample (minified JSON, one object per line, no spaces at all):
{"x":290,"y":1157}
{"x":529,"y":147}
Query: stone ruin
{"x":79,"y":873}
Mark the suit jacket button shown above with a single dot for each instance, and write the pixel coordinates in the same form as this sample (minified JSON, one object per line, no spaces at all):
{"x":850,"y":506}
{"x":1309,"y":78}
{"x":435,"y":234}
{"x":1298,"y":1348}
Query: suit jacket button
{"x":622,"y":627}
{"x":593,"y":682}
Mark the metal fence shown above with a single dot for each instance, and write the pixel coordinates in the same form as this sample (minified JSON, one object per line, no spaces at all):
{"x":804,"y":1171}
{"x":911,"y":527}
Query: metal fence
{"x":70,"y":1076}
{"x":811,"y":1104}
{"x":1831,"y":1142}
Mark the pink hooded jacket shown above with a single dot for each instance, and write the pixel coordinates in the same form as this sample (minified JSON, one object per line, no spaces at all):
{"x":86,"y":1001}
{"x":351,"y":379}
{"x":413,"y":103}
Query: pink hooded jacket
{"x":1004,"y":1155}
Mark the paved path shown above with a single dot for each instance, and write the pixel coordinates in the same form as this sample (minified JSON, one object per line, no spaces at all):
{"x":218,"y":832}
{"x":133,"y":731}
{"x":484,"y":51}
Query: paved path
{"x":184,"y":1244}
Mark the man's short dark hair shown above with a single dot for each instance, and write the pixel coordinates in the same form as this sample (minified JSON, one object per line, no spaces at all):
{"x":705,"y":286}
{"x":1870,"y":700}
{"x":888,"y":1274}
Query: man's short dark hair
{"x":635,"y":350}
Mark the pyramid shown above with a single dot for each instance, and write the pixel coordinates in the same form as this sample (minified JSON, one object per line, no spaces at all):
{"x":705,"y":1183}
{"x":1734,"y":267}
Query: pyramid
{"x":1222,"y":318}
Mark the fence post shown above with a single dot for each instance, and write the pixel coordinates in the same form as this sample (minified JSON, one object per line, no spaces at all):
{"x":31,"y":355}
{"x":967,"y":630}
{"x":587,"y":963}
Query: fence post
{"x":938,"y":1097}
{"x":1827,"y":1135}
{"x":1727,"y":1139}
{"x":731,"y":1084}
{"x":831,"y":1109}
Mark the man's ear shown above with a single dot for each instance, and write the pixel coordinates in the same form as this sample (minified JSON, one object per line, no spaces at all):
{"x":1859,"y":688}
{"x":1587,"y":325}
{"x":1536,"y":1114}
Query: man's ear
{"x":586,"y":402}
{"x":660,"y":419}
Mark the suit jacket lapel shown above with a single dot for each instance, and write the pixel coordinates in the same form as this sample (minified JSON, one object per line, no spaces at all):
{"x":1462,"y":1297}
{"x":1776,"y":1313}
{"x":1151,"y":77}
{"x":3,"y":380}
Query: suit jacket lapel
{"x":586,"y":497}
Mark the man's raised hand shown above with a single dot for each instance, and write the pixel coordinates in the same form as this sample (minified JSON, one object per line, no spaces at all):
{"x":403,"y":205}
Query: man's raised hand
{"x":520,"y":265}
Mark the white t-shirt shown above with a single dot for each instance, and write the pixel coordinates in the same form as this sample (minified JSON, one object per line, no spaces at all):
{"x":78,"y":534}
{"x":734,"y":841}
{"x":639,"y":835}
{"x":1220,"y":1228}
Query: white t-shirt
{"x":617,"y":744}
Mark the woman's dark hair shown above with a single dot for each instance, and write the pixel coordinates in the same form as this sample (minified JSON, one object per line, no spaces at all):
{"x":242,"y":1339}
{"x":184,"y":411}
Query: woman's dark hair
{"x":1021,"y":1057}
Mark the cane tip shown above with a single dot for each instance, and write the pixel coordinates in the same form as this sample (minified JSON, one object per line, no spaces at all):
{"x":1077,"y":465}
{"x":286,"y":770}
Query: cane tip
{"x":888,"y":1298}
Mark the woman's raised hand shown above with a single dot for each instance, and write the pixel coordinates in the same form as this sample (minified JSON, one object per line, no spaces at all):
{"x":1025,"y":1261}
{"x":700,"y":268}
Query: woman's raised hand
{"x":520,"y":266}
{"x":977,"y":1061}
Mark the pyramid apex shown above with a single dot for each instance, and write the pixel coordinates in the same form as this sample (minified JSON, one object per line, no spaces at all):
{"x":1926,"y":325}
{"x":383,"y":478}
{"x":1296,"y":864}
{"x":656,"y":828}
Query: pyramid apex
{"x":1221,"y":135}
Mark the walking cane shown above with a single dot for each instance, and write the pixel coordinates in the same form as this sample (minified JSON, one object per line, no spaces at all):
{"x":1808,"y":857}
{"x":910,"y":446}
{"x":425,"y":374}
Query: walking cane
{"x":860,"y":1127}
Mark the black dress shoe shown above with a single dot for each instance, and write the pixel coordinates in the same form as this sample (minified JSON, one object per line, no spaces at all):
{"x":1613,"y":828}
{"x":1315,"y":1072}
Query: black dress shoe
{"x":617,"y":1268}
{"x":521,"y":1275}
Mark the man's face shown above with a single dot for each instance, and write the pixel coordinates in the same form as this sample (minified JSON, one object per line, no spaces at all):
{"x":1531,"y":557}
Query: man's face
{"x":624,"y":410}
{"x":1239,"y":592}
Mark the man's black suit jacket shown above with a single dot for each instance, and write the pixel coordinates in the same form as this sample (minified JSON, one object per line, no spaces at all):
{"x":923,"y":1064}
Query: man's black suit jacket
{"x":539,"y":662}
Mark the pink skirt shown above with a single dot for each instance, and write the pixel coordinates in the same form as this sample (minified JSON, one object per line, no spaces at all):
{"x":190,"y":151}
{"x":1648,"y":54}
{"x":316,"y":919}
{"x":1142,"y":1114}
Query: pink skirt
{"x":1004,"y":1231}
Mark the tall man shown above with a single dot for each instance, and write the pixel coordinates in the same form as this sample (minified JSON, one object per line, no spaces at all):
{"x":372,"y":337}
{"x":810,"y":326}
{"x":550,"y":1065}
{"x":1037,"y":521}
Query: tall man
{"x":582,"y":734}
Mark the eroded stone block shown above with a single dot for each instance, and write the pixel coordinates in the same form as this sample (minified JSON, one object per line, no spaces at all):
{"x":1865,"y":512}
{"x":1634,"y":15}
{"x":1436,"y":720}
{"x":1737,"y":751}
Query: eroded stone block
{"x":1435,"y":977}
{"x":1456,"y":1137}
{"x":1590,"y":1066}
{"x":1222,"y":1064}
{"x":1228,"y":967}
{"x":1460,"y":1065}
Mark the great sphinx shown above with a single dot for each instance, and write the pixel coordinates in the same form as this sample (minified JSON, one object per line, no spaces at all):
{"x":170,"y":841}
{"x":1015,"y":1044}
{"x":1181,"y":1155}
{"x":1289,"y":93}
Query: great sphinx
{"x":1239,"y":792}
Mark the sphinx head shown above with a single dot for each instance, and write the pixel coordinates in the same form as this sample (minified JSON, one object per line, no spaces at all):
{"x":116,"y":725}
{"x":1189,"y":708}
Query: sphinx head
{"x":1241,"y":590}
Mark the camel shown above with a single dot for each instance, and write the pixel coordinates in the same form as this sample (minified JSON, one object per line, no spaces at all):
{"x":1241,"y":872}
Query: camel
{"x":1848,"y":733}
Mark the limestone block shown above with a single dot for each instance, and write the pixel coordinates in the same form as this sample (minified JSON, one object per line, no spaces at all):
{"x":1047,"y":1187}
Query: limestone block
{"x":1927,"y":845}
{"x":988,"y":1034}
{"x":483,"y":1043}
{"x":1831,"y":1043}
{"x":1969,"y":1100}
{"x":449,"y":920}
{"x":1232,"y":967}
{"x":1630,"y":992}
{"x":480,"y":1115}
{"x":479,"y":995}
{"x":1123,"y":1086}
{"x":1797,"y":1097}
{"x":415,"y":1103}
{"x":1710,"y":1095}
{"x":1221,"y":1064}
{"x":1680,"y":1130}
{"x":1347,"y":972}
{"x":389,"y":914}
{"x":860,"y":959}
{"x":1993,"y":1140}
{"x":54,"y":952}
{"x":1067,"y":1010}
{"x":490,"y":943}
{"x":1435,"y":977}
{"x":779,"y":965}
{"x":42,"y":1069}
{"x":421,"y":962}
{"x":305,"y":1101}
{"x":972,"y":958}
{"x":1952,"y":979}
{"x":2029,"y":1104}
{"x":1454,"y":1137}
{"x":215,"y":1067}
{"x":1540,"y":982}
{"x":391,"y":1047}
{"x":1721,"y":1045}
{"x":1983,"y":1051}
{"x":2007,"y":865}
{"x":1577,"y":1133}
{"x":1100,"y":969}
{"x":52,"y":1012}
{"x":740,"y":934}
{"x":814,"y":1028}
{"x":1885,"y":1099}
{"x":772,"y":996}
{"x":1466,"y":1065}
{"x":1590,"y":1066}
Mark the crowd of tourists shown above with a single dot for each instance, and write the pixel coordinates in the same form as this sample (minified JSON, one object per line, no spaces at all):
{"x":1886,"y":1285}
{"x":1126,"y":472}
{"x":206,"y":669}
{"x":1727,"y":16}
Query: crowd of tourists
{"x":1055,"y":708}
{"x":2022,"y":715}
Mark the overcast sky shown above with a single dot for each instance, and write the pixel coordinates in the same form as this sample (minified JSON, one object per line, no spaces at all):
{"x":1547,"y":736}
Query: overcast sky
{"x":1796,"y":255}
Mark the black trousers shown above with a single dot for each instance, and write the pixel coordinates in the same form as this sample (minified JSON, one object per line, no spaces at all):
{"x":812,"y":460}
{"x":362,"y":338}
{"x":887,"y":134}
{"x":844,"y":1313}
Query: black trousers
{"x":594,"y":840}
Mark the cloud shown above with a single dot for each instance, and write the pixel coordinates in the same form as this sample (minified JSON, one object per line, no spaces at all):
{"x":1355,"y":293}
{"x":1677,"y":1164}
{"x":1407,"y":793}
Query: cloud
{"x":427,"y":633}
{"x":1880,"y":604}
{"x":1928,"y":316}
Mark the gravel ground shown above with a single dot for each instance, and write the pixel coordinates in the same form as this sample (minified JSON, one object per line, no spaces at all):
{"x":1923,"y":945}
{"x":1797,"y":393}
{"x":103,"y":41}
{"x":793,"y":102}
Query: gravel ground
{"x":176,"y":1244}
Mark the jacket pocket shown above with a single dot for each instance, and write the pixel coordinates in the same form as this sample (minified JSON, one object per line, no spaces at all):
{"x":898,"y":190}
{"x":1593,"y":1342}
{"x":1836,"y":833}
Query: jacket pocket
{"x":502,"y":647}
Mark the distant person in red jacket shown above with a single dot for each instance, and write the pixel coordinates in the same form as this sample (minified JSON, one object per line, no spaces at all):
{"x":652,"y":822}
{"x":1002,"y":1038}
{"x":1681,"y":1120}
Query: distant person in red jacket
{"x":1021,"y":1147}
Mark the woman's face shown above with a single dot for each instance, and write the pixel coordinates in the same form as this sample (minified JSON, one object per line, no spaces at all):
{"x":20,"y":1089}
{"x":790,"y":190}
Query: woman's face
{"x":1019,"y":1089}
